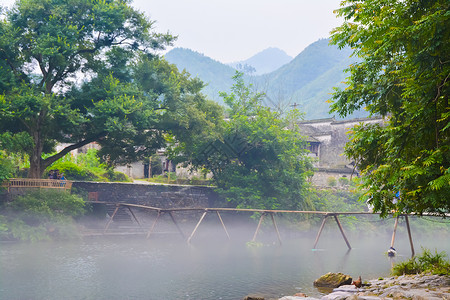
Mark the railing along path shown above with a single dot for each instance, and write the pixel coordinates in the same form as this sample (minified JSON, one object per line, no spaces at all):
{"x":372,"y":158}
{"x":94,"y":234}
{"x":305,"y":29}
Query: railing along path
{"x":37,"y":183}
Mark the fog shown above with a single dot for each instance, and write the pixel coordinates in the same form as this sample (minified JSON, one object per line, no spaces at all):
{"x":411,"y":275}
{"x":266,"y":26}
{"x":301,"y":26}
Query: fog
{"x":119,"y":266}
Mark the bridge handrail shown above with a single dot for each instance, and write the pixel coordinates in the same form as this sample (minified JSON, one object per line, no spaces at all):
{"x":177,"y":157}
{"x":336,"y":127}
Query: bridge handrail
{"x":37,"y":183}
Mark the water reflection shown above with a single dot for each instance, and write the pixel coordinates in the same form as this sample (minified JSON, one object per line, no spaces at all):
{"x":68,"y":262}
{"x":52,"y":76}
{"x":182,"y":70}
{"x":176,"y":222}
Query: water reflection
{"x":210,"y":268}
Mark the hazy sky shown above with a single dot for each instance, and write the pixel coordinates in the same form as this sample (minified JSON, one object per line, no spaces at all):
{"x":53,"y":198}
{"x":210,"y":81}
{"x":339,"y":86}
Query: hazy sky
{"x":232,"y":30}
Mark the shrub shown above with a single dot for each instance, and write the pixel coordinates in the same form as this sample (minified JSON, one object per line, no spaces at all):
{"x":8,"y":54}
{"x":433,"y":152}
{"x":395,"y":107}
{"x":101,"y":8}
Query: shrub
{"x":344,"y":181}
{"x":49,"y":202}
{"x":410,"y":266}
{"x":331,"y":181}
{"x":112,"y":175}
{"x":425,"y":263}
{"x":87,"y":167}
{"x":74,"y":172}
{"x":41,"y":215}
{"x":437,"y":263}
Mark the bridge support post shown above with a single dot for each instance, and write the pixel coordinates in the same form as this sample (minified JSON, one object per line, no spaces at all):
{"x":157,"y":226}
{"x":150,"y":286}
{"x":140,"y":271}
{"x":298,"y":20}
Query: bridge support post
{"x":153,"y":225}
{"x":134,"y":216}
{"x":320,"y":231}
{"x":196,"y":226}
{"x":276,"y":228}
{"x":259,"y":225}
{"x":409,"y":235}
{"x":393,"y":233}
{"x":342,"y":232}
{"x":223,"y":224}
{"x":111,"y":218}
{"x":176,"y":224}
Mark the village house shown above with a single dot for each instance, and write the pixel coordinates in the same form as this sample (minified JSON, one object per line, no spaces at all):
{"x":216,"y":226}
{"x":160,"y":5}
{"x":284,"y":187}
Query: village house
{"x":327,"y":138}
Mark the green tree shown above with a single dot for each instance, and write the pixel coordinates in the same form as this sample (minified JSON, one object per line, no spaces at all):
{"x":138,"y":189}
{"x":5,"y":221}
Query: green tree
{"x":84,"y":71}
{"x":402,"y":75}
{"x":47,"y":49}
{"x":6,"y":168}
{"x":257,"y":162}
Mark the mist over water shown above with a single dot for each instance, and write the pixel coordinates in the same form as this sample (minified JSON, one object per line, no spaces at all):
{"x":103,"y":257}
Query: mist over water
{"x":211,"y":267}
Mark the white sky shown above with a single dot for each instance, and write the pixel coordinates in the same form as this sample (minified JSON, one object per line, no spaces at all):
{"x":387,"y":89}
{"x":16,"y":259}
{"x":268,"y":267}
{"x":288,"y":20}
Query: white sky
{"x":233,"y":30}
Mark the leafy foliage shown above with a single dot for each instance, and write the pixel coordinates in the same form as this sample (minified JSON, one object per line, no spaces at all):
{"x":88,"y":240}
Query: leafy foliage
{"x":6,"y":168}
{"x":156,"y":165}
{"x":41,"y":215}
{"x":48,"y":203}
{"x":336,"y":200}
{"x":98,"y":78}
{"x":425,"y":263}
{"x":74,"y":172}
{"x":403,"y":76}
{"x":257,"y":162}
{"x":86,"y":167}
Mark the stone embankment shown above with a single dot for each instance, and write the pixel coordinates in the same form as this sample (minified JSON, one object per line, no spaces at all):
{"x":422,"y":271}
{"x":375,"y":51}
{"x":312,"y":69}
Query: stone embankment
{"x":416,"y":287}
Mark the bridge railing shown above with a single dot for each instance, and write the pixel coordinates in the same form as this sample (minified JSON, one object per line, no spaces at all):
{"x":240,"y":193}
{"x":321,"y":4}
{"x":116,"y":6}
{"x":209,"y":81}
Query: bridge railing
{"x":37,"y":183}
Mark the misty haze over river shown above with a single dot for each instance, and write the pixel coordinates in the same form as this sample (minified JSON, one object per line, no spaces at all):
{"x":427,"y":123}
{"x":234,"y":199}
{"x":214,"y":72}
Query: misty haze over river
{"x":166,"y":267}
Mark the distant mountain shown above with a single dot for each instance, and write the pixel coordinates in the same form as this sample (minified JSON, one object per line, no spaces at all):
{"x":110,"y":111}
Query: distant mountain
{"x":306,"y":81}
{"x":216,"y":75}
{"x":264,"y":62}
{"x":312,"y":62}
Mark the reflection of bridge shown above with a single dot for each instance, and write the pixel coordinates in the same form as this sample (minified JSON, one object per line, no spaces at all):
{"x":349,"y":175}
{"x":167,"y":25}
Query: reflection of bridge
{"x":25,"y":183}
{"x":263,"y":213}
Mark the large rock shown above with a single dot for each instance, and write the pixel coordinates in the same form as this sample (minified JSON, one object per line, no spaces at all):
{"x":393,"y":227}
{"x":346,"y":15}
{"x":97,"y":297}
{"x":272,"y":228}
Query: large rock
{"x":332,"y":280}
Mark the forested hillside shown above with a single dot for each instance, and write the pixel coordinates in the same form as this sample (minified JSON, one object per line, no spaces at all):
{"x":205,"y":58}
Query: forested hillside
{"x":216,"y":75}
{"x":307,"y":80}
{"x":264,"y":62}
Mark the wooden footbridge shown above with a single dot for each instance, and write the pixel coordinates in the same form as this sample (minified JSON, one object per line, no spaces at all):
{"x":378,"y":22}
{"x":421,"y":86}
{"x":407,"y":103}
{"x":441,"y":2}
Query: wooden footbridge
{"x":263,"y":213}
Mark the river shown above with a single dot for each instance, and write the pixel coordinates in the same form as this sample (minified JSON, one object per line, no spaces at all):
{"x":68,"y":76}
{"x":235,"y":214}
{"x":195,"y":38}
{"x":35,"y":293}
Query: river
{"x":211,"y":267}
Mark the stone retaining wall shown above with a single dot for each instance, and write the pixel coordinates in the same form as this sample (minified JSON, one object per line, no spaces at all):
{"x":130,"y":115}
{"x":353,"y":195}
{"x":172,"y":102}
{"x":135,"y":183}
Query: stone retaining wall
{"x":163,"y":196}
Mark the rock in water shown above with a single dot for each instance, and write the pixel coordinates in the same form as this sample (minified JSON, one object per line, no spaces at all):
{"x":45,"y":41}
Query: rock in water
{"x":333,"y":280}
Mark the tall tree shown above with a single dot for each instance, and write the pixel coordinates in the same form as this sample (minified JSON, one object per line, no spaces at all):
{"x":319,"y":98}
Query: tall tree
{"x":74,"y":72}
{"x":403,"y":75}
{"x":257,"y":161}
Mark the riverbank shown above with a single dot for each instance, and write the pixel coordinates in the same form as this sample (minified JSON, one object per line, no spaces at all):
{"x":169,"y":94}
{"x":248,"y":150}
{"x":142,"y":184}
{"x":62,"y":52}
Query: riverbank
{"x":423,"y":286}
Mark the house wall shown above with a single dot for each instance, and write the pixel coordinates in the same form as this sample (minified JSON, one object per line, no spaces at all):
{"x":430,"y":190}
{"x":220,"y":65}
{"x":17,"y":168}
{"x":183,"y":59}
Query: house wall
{"x":332,"y":135}
{"x":322,"y":177}
{"x":132,"y":170}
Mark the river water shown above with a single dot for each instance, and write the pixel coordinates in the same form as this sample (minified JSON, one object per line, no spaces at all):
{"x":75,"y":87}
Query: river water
{"x":211,"y":267}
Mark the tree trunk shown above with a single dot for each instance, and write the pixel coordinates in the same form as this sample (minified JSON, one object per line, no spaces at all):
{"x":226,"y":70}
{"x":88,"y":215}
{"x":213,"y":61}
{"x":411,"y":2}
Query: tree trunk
{"x":36,"y":161}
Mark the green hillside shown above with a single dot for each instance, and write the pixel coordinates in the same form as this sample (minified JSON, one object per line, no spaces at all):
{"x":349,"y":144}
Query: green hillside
{"x":307,"y":80}
{"x":216,"y":75}
{"x":312,"y":62}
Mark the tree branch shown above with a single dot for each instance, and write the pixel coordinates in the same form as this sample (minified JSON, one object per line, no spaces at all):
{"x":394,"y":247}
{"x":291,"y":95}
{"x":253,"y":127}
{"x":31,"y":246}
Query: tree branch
{"x":48,"y":161}
{"x":11,"y":65}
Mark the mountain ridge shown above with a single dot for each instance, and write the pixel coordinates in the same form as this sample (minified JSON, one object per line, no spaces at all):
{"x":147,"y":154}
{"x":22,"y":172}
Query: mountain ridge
{"x":308,"y":79}
{"x":263,"y":62}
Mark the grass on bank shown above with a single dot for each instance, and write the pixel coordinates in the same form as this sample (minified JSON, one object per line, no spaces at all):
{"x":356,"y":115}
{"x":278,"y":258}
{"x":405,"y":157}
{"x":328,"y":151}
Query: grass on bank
{"x":427,"y":262}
